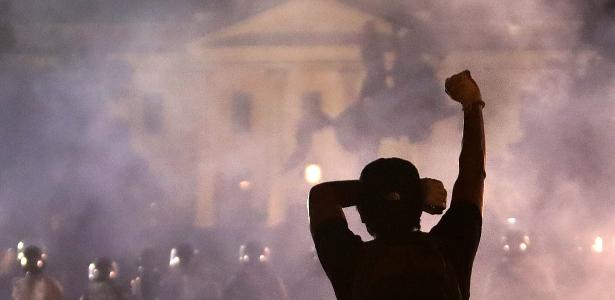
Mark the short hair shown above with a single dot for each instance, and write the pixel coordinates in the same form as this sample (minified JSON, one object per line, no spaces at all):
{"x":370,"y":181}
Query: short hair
{"x":395,"y":197}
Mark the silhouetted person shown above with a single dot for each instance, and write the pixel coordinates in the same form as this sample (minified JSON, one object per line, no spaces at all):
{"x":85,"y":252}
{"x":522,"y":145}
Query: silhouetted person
{"x":146,"y":285}
{"x":373,"y":56}
{"x":102,"y":274}
{"x":35,"y":285}
{"x":520,"y":273}
{"x":313,"y":119}
{"x":185,"y":281}
{"x":255,"y":280}
{"x":402,"y":262}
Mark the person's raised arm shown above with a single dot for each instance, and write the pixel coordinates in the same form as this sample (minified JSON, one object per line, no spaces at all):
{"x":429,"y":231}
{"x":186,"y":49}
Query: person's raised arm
{"x":327,"y":200}
{"x":469,"y":185}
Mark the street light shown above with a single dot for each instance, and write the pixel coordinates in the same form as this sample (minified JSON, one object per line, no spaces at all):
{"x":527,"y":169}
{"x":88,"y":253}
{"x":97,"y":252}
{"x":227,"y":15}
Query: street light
{"x":312,"y":174}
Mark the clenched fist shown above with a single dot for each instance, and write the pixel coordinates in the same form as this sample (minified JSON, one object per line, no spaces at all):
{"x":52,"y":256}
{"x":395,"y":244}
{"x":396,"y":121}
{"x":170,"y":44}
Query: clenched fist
{"x":435,"y":196}
{"x":463,"y":89}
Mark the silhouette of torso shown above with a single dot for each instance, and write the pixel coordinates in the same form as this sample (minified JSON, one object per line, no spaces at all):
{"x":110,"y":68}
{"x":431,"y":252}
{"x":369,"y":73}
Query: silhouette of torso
{"x":413,"y":265}
{"x":408,"y":266}
{"x":189,"y":286}
{"x":36,"y":288}
{"x":103,"y":290}
{"x":255,"y":282}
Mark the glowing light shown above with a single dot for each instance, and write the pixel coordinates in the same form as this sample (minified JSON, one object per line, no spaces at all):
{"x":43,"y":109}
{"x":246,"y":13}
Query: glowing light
{"x":265,"y":256}
{"x":174,"y":261}
{"x":23,"y":261}
{"x":523,"y":246}
{"x":245,"y":185}
{"x":20,"y":245}
{"x":506,"y":248}
{"x":39,"y":263}
{"x":598,"y":245}
{"x":511,"y":221}
{"x":313,"y":174}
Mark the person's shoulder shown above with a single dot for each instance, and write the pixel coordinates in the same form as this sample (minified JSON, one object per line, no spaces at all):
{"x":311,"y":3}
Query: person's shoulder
{"x":460,"y":215}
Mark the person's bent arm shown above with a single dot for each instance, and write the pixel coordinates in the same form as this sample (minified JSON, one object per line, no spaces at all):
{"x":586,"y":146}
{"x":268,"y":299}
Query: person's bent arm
{"x":469,"y":185}
{"x":327,"y":199}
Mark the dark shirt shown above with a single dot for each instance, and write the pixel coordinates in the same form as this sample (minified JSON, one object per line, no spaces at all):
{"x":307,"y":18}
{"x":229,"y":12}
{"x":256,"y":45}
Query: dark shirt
{"x":103,"y":290}
{"x":418,"y":265}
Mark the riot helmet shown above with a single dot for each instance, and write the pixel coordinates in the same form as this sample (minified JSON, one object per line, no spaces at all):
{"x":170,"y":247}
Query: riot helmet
{"x":181,"y":255}
{"x":103,"y":269}
{"x":254,"y":252}
{"x":32,"y":259}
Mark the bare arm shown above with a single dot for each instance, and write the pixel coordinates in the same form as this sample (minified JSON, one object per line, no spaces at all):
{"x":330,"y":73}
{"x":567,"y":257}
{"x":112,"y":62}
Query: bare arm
{"x":469,"y":185}
{"x":327,"y":200}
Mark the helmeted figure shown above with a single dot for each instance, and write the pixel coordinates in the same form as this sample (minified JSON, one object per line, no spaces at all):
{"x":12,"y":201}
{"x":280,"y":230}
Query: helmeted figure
{"x":35,"y":285}
{"x":255,"y":280}
{"x":185,"y":281}
{"x":102,"y":274}
{"x":313,"y":119}
{"x":520,"y":273}
{"x":146,"y":285}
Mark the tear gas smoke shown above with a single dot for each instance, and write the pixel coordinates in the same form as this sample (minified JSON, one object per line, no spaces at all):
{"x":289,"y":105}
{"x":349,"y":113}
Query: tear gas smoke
{"x":73,"y":178}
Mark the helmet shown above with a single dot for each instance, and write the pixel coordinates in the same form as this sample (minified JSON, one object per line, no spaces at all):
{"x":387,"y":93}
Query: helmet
{"x":103,"y":269}
{"x":147,"y":280}
{"x":254,"y":252}
{"x":515,"y":242}
{"x":181,"y":255}
{"x":32,"y":259}
{"x":148,"y":261}
{"x":396,"y":195}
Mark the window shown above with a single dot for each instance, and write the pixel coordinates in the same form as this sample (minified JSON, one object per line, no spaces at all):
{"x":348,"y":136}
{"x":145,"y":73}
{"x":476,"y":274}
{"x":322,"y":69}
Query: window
{"x":241,"y":109}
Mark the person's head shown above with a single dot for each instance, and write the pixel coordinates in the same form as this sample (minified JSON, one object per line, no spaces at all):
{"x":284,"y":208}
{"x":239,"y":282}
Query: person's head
{"x":395,"y":202}
{"x":181,"y":256}
{"x":102,"y":269}
{"x":33,"y":260}
{"x":148,"y":261}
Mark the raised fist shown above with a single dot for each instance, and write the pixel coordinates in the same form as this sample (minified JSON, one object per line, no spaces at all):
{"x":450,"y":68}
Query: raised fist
{"x":463,"y":89}
{"x":435,"y":196}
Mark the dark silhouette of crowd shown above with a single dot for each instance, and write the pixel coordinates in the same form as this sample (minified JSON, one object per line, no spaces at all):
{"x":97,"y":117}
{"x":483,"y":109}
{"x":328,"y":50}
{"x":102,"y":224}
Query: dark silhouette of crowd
{"x":188,"y":274}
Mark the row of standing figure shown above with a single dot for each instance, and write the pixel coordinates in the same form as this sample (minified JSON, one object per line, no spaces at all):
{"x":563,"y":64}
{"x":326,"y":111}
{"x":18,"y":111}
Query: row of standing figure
{"x":183,"y":280}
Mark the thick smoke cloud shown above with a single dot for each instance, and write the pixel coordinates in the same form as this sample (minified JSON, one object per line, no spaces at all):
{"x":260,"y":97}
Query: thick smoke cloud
{"x":70,"y":176}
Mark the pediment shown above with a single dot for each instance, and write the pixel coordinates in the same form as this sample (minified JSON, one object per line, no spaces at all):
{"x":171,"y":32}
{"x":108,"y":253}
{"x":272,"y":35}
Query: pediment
{"x":297,"y":23}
